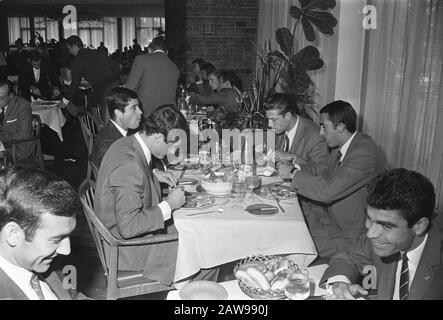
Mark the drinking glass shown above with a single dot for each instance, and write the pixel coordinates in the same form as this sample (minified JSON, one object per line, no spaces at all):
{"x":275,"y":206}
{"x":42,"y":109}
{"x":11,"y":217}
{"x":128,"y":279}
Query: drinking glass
{"x":204,"y":161}
{"x":251,"y":183}
{"x":297,"y":285}
{"x":238,"y":187}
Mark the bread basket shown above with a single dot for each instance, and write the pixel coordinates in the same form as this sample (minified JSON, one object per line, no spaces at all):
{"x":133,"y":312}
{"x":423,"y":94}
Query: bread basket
{"x":257,"y":293}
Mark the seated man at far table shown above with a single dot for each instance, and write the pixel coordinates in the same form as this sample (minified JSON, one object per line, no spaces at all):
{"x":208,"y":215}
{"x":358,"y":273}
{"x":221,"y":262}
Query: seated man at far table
{"x":128,"y":197}
{"x":298,"y":140}
{"x":15,"y":121}
{"x":125,"y":113}
{"x":403,"y":244}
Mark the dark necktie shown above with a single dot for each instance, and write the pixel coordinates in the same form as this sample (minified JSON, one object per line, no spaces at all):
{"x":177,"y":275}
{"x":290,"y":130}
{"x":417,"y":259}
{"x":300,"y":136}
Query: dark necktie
{"x":404,"y":279}
{"x":338,"y":159}
{"x":2,"y":115}
{"x":286,"y":146}
{"x":35,"y":284}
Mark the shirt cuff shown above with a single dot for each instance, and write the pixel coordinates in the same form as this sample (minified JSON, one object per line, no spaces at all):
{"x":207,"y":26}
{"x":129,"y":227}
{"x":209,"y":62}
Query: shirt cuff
{"x":65,"y":101}
{"x":339,"y":278}
{"x":166,"y":210}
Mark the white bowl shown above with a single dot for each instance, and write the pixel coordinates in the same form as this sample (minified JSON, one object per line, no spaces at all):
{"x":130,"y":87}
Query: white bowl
{"x":216,"y":188}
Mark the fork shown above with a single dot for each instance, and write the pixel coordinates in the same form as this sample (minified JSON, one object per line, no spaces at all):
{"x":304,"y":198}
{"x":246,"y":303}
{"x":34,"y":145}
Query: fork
{"x":183,"y":172}
{"x":278,"y":203}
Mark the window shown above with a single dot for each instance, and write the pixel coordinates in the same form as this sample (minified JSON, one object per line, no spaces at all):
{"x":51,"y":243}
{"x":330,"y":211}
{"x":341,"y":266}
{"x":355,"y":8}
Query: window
{"x":47,"y":28}
{"x":208,"y":28}
{"x":147,"y":28}
{"x":19,"y":28}
{"x":91,"y":32}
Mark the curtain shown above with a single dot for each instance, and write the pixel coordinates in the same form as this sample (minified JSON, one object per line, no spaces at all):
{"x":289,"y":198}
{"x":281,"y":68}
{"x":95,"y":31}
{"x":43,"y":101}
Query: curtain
{"x":402,"y":102}
{"x":14,"y":29}
{"x":110,"y":34}
{"x":128,"y":31}
{"x":274,"y":14}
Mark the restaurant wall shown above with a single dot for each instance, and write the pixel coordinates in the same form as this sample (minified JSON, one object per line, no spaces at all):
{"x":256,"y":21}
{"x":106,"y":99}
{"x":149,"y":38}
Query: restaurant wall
{"x":223,"y":32}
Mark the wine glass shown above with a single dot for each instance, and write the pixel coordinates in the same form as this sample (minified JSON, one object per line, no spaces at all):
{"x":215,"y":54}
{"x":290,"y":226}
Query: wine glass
{"x":204,"y":161}
{"x":251,"y":183}
{"x":297,"y":286}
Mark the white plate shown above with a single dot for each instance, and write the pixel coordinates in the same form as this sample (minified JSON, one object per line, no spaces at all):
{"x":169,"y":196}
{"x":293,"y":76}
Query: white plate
{"x":203,"y":290}
{"x":208,"y":205}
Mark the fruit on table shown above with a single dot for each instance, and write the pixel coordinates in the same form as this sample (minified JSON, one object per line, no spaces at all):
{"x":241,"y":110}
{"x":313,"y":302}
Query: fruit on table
{"x":261,"y":266}
{"x":246,"y":278}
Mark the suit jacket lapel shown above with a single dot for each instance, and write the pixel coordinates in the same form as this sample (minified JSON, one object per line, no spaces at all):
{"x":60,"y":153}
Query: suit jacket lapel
{"x":56,"y":285}
{"x":298,"y":136}
{"x":148,"y":167}
{"x":9,"y":290}
{"x":386,"y":281}
{"x":425,"y":273}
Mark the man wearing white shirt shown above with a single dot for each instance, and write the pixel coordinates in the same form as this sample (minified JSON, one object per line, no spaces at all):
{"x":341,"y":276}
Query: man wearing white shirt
{"x":334,"y":192}
{"x":128,"y":197}
{"x":298,"y":140}
{"x":125,"y":114}
{"x":402,"y":244}
{"x":37,"y":216}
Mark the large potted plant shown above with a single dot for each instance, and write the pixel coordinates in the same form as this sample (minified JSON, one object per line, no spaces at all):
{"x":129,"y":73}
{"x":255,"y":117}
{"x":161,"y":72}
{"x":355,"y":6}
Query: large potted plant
{"x":287,"y":69}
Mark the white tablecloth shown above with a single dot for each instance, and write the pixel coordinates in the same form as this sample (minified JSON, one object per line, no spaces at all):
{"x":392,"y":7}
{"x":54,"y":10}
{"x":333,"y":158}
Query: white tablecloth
{"x":52,"y":117}
{"x":209,"y":240}
{"x":235,"y":293}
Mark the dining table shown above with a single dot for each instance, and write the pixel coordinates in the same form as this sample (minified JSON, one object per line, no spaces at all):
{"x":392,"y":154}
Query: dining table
{"x":229,"y":233}
{"x":50,"y":115}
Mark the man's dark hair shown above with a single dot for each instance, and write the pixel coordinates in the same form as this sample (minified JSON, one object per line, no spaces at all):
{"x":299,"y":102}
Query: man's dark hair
{"x":26,"y":194}
{"x":163,"y":119}
{"x":282,"y":102}
{"x":408,"y":192}
{"x":118,"y":98}
{"x":34,"y":56}
{"x":158,"y":43}
{"x":199,"y":61}
{"x":231,"y":76}
{"x":75,"y":40}
{"x":208,"y":68}
{"x":5,"y":82}
{"x":341,"y":112}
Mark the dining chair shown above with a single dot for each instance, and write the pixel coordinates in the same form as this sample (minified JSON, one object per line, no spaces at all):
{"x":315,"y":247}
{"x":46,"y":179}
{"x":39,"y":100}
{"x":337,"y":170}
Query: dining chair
{"x":36,"y":158}
{"x":119,"y":284}
{"x":90,"y":128}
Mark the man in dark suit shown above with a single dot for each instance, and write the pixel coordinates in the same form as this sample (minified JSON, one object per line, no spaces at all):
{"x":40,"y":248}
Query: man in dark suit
{"x":123,"y":106}
{"x":154,"y":77}
{"x":37,"y":215}
{"x":128,"y":195}
{"x":298,"y":140}
{"x":338,"y":191}
{"x":15,"y":120}
{"x":39,"y":77}
{"x":401,"y":243}
{"x":97,"y":68}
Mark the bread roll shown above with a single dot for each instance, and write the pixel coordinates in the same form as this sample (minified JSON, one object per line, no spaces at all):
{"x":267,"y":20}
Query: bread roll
{"x":259,"y":278}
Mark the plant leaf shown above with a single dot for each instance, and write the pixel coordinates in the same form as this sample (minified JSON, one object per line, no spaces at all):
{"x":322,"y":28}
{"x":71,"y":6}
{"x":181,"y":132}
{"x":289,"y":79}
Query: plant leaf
{"x":308,"y":30}
{"x":324,"y":21}
{"x":303,"y":3}
{"x":309,"y":58}
{"x":285,"y":39}
{"x":320,"y":4}
{"x":295,"y":12}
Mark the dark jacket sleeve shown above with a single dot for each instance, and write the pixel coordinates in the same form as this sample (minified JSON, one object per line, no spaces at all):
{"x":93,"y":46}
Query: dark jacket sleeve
{"x":77,"y":74}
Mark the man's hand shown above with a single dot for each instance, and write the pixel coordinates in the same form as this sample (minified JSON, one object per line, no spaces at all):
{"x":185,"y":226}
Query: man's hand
{"x":55,"y":93}
{"x":342,"y":290}
{"x":35,"y":91}
{"x":284,"y":170}
{"x":176,"y":199}
{"x":165,"y":177}
{"x":282,"y":156}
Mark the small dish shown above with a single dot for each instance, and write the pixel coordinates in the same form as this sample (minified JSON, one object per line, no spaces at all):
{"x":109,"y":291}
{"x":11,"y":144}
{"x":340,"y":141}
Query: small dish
{"x":203,"y":290}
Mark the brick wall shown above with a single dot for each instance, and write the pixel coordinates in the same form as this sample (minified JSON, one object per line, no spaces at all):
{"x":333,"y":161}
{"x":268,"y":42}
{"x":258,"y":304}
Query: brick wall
{"x":221,"y":32}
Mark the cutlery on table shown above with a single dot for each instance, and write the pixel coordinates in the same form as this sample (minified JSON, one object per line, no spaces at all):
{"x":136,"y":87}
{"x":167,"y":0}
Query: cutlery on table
{"x":183,"y":172}
{"x":278,"y":203}
{"x":219,"y":210}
